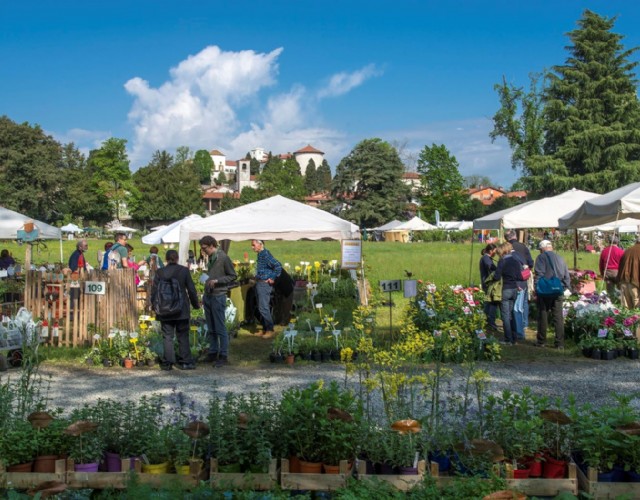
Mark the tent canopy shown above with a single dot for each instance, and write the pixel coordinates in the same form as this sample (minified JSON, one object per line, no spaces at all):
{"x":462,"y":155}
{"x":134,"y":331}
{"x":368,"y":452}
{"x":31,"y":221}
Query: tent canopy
{"x":11,"y":221}
{"x":415,"y":224}
{"x":388,"y":226}
{"x":270,"y":219}
{"x":123,"y":229}
{"x":168,"y":234}
{"x":71,"y":228}
{"x":618,"y":204}
{"x":627,"y":225}
{"x":535,"y":214}
{"x":455,"y":225}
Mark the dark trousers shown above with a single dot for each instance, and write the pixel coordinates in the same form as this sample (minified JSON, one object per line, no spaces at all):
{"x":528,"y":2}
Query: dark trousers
{"x":506,"y":310}
{"x":490,"y":309}
{"x":553,"y":306}
{"x":179,"y":328}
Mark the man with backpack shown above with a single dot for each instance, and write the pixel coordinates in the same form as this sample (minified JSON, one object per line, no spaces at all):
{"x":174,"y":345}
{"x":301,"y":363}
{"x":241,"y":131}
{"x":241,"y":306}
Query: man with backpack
{"x":117,"y":256}
{"x":171,"y":287}
{"x":220,"y":274}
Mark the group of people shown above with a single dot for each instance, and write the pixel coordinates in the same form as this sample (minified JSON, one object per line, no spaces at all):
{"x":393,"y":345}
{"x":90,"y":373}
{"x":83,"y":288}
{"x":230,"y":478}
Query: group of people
{"x":621,"y":269}
{"x":217,"y":280}
{"x":510,"y":282}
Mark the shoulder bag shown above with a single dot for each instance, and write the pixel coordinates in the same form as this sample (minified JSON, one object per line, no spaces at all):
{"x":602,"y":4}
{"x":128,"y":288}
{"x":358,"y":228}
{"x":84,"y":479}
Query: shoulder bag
{"x":549,"y":287}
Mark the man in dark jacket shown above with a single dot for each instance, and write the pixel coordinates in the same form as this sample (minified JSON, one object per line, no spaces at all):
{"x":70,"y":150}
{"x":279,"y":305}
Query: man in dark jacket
{"x":77,"y":260}
{"x":549,"y":264}
{"x":177,"y":324}
{"x":220,"y":274}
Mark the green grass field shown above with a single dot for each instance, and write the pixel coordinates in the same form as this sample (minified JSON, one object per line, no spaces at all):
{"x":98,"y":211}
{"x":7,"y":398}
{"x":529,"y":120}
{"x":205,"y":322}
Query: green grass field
{"x":438,"y":262}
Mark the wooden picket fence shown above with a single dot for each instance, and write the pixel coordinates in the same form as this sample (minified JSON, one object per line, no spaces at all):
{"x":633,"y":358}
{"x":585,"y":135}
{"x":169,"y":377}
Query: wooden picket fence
{"x":62,"y":300}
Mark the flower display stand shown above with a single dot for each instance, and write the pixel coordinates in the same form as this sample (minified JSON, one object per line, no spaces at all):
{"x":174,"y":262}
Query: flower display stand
{"x":27,"y":480}
{"x":244,"y":481}
{"x":589,"y":484}
{"x":314,"y":482}
{"x":541,"y":487}
{"x":399,"y":481}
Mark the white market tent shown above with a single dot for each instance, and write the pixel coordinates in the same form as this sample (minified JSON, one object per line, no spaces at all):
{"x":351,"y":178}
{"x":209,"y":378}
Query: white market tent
{"x":415,"y":224}
{"x":628,"y":225}
{"x":455,"y":225}
{"x":618,"y":204}
{"x":388,"y":226}
{"x":535,"y":214}
{"x":168,"y":234}
{"x":11,"y":221}
{"x":123,"y":229}
{"x":157,"y":228}
{"x":270,"y":219}
{"x":71,"y":228}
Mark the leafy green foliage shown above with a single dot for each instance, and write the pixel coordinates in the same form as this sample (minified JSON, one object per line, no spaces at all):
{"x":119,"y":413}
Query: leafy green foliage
{"x":369,"y":183}
{"x":311,"y":178}
{"x":442,"y":184}
{"x":281,"y":177}
{"x":203,"y":165}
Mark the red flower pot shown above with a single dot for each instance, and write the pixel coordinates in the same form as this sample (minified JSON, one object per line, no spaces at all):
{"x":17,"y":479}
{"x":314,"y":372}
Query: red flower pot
{"x":554,"y":469}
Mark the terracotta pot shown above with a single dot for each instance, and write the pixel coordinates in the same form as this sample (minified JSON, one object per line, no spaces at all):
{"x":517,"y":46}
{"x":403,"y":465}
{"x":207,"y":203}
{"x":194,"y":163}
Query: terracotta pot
{"x":331,"y":469}
{"x":294,"y":464}
{"x":26,"y":467}
{"x":128,"y":363}
{"x":290,"y":359}
{"x":310,"y":467}
{"x":45,"y":463}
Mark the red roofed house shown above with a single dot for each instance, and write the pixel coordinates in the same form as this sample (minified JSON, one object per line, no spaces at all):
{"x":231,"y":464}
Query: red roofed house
{"x":307,"y":153}
{"x":486,"y":194}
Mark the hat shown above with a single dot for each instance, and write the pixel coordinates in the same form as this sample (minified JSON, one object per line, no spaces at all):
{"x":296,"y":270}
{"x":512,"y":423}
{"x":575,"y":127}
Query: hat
{"x":544,"y":244}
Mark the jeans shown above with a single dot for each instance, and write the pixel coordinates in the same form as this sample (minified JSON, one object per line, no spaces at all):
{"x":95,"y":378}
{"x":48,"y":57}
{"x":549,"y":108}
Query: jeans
{"x":264,"y":291}
{"x":551,"y":305}
{"x":508,"y":319}
{"x":490,"y":310}
{"x":180,"y":328}
{"x":214,"y":313}
{"x":519,"y":313}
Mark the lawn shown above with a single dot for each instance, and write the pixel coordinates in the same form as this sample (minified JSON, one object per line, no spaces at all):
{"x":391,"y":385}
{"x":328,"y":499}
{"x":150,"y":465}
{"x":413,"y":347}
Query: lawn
{"x":438,"y":262}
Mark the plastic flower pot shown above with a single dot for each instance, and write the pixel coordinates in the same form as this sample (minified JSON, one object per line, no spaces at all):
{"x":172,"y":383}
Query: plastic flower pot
{"x":442,"y":459}
{"x":632,"y":353}
{"x":535,"y":466}
{"x":407,"y":471}
{"x":92,"y":467}
{"x":290,"y":359}
{"x":112,"y":461}
{"x":521,"y":473}
{"x":632,"y":476}
{"x":554,"y":469}
{"x":596,"y":354}
{"x":162,"y":468}
{"x":385,"y":469}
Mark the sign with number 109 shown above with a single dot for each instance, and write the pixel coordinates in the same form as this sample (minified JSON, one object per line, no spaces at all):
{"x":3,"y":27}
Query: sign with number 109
{"x":94,"y":287}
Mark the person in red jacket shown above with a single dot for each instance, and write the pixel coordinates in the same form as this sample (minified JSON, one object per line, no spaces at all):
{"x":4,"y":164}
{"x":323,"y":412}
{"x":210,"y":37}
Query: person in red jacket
{"x":610,"y":263}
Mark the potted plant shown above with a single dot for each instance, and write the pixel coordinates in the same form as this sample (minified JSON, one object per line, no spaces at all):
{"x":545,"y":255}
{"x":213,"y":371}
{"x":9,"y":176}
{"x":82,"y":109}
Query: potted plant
{"x":52,"y":443}
{"x":18,"y":445}
{"x":557,"y":435}
{"x":338,"y":434}
{"x":86,"y":446}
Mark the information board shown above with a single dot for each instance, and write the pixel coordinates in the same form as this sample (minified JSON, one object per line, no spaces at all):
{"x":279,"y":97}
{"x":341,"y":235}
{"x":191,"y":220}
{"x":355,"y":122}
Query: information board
{"x":351,"y":254}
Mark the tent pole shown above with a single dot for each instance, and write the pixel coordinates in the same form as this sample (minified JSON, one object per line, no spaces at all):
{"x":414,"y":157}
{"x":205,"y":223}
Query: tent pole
{"x":473,"y":239}
{"x":575,"y":248}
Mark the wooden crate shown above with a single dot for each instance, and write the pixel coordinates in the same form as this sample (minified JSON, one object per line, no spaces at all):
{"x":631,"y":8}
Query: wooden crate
{"x":400,"y":482}
{"x":244,"y":481}
{"x":541,"y":487}
{"x":589,"y":484}
{"x":27,"y":480}
{"x":314,"y":482}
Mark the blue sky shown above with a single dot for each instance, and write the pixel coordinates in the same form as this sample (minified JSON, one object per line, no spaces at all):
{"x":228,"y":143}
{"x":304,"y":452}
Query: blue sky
{"x":234,"y":75}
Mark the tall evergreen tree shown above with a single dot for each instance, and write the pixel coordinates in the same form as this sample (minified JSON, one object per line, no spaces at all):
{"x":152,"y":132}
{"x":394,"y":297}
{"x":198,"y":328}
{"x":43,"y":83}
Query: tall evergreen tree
{"x":441,"y":182}
{"x":282,"y":178}
{"x":323,"y":176}
{"x":310,"y":177}
{"x":590,"y":117}
{"x":369,"y":183}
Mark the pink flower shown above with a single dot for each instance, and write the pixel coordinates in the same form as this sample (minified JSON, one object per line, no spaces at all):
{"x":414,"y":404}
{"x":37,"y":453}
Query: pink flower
{"x":616,"y":311}
{"x":609,"y":321}
{"x":628,"y":321}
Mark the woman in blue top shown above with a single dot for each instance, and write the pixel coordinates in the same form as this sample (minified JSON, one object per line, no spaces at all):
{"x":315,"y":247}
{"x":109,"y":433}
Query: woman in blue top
{"x":509,"y":269}
{"x":487,"y":266}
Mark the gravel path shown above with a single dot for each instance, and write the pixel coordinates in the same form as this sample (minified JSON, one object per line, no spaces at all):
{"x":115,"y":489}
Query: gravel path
{"x":590,"y":381}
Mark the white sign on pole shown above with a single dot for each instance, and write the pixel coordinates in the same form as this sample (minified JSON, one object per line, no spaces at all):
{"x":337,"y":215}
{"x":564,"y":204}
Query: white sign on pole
{"x":94,"y":287}
{"x":351,"y":254}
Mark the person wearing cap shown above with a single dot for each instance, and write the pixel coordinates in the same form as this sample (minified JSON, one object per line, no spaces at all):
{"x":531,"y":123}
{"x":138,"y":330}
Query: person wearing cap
{"x":610,"y":264}
{"x":267,"y":270}
{"x":545,"y":265}
{"x":629,"y":276}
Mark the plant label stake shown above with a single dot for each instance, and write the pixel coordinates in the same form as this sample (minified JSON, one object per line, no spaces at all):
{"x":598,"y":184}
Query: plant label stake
{"x":390,"y":286}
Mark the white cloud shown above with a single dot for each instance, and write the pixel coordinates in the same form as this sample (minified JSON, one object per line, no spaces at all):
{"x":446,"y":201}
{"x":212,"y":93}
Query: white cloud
{"x":205,"y":102}
{"x":343,"y":82}
{"x":469,"y":142}
{"x":84,"y":140}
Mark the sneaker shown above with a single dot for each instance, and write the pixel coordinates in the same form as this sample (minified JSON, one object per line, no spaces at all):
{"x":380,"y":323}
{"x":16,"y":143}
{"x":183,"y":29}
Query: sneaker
{"x":221,"y":361}
{"x":269,"y":334}
{"x":186,"y":366}
{"x":211,"y":357}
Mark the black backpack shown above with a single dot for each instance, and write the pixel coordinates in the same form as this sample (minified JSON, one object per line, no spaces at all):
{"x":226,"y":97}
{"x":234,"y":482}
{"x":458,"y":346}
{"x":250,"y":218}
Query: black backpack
{"x":168,"y":298}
